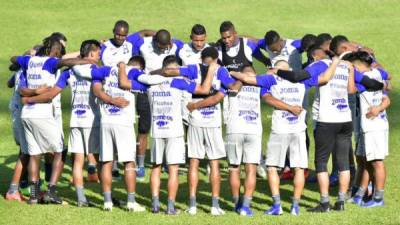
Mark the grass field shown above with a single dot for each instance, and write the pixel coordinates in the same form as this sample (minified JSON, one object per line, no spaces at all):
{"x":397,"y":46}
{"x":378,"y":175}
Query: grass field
{"x":24,"y":23}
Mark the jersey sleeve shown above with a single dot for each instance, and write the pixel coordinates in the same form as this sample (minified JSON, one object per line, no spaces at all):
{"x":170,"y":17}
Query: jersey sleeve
{"x":99,"y":74}
{"x":62,"y":81}
{"x":311,"y":82}
{"x":136,"y":85}
{"x":224,"y":76}
{"x":384,"y":74}
{"x":136,"y":45}
{"x":265,"y":91}
{"x":23,"y":61}
{"x":316,"y":69}
{"x":261,"y":44}
{"x":133,"y":74}
{"x":297,"y":44}
{"x":23,"y":83}
{"x":51,"y":65}
{"x":179,"y":45}
{"x":184,"y":85}
{"x":265,"y":81}
{"x":189,"y":71}
{"x":151,"y":79}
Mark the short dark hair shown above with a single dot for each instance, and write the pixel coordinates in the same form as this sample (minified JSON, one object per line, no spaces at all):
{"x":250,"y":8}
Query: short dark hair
{"x":271,"y":37}
{"x":307,"y":41}
{"x":198,"y":29}
{"x":88,"y":46}
{"x":360,"y":56}
{"x":336,"y":42}
{"x":323,"y":37}
{"x":48,"y":44}
{"x":138,"y":59}
{"x":59,"y":36}
{"x":121,"y":24}
{"x":163,"y":37}
{"x":209,"y":52}
{"x":226,"y":26}
{"x":169,"y":60}
{"x":311,"y":50}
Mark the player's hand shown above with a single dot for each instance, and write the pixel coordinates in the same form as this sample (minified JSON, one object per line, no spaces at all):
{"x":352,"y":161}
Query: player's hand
{"x":121,"y":65}
{"x":42,"y":89}
{"x":296,"y":110}
{"x":25,"y":100}
{"x":272,"y":70}
{"x":120,"y":102}
{"x":191,"y":106}
{"x":373,"y":112}
{"x":213,"y":66}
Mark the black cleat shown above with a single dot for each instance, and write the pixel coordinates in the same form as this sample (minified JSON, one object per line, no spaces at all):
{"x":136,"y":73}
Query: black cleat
{"x":52,"y":198}
{"x":34,"y":195}
{"x":320,"y":208}
{"x":339,"y":206}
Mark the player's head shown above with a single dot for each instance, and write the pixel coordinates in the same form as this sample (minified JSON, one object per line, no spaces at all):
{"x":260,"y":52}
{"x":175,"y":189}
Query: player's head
{"x":316,"y":53}
{"x":198,"y":36}
{"x":120,"y":31}
{"x":282,"y":64}
{"x":247,"y":69}
{"x":61,"y":37}
{"x":137,"y":61}
{"x":307,"y":41}
{"x":209,"y":55}
{"x":273,"y":41}
{"x":340,"y":44}
{"x":51,"y":47}
{"x":90,"y":49}
{"x":323,"y":41}
{"x":360,"y":60}
{"x":162,"y":40}
{"x":170,"y":61}
{"x":228,"y":33}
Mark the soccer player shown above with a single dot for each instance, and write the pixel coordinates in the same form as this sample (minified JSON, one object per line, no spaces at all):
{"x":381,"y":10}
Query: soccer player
{"x":375,"y":128}
{"x":191,"y":52}
{"x":41,"y":130}
{"x":84,"y":135}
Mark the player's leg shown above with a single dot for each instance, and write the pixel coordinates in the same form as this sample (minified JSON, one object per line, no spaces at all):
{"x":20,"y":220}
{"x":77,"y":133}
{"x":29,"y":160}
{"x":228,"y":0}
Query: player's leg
{"x":173,"y":185}
{"x":193,"y":177}
{"x":93,"y":154}
{"x":57,"y":167}
{"x":143,"y":110}
{"x":92,"y":168}
{"x":106,"y":158}
{"x":234,"y":151}
{"x":21,"y":165}
{"x":157,"y":156}
{"x":106,"y":181}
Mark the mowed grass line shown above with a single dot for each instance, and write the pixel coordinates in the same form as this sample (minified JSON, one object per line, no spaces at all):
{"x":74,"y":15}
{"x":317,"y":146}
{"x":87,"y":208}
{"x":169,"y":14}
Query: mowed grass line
{"x":25,"y":23}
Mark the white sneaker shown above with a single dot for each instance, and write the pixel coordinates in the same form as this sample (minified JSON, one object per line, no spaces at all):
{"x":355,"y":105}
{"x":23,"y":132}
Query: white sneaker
{"x":217,"y":211}
{"x":192,"y":210}
{"x":108,"y":206}
{"x":261,"y":171}
{"x":135,"y":207}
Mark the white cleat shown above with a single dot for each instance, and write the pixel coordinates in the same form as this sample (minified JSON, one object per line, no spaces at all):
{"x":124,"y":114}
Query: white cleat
{"x":108,"y":206}
{"x":191,"y":211}
{"x":217,"y":211}
{"x":135,"y":207}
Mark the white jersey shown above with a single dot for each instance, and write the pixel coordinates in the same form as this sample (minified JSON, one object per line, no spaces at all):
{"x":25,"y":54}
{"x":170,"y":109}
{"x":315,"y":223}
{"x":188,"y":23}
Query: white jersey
{"x":244,"y":112}
{"x":15,"y":105}
{"x":111,"y":114}
{"x":39,"y":71}
{"x":190,"y":55}
{"x":284,"y":122}
{"x":85,"y":111}
{"x":289,"y":53}
{"x":111,"y":55}
{"x":57,"y":99}
{"x":333,"y":105}
{"x":373,"y":98}
{"x":152,"y":56}
{"x":165,"y":104}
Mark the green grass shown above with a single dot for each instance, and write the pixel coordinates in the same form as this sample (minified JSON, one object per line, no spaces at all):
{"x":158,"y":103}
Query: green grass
{"x":25,"y":23}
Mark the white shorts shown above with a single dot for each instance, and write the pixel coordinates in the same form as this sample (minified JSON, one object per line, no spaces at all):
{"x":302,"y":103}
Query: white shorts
{"x":278,"y":146}
{"x":59,"y":120}
{"x":42,"y":135}
{"x":18,"y":132}
{"x":205,"y":140}
{"x":117,"y":139}
{"x":174,"y":149}
{"x":376,"y":145}
{"x":244,"y":148}
{"x":84,"y":140}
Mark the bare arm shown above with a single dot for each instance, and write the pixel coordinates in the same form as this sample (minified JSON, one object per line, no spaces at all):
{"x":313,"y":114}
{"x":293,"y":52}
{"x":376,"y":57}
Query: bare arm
{"x":351,"y":88}
{"x":209,"y":101}
{"x":27,"y":92}
{"x":245,"y":77}
{"x":44,"y":97}
{"x":205,"y":87}
{"x":278,"y":104}
{"x":70,"y":55}
{"x":124,"y":82}
{"x":73,"y":61}
{"x":99,"y":93}
{"x":375,"y":110}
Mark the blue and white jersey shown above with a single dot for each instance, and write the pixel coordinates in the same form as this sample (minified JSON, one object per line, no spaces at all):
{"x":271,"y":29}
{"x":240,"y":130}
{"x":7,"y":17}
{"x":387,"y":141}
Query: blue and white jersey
{"x":243,"y":112}
{"x":152,"y":56}
{"x":190,"y":55}
{"x":40,"y":71}
{"x":84,"y":108}
{"x":373,"y":98}
{"x":284,"y":122}
{"x":208,"y":116}
{"x":111,"y":114}
{"x":15,"y":105}
{"x":111,"y":55}
{"x":331,"y":103}
{"x":291,"y":52}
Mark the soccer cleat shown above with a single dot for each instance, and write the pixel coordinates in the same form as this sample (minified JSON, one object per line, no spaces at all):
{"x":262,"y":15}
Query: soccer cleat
{"x":172,"y":212}
{"x":275,"y":210}
{"x":108,"y":206}
{"x":34,"y":193}
{"x":140,"y":173}
{"x":134,"y":207}
{"x":52,"y":198}
{"x":16,"y":196}
{"x":356,"y":200}
{"x":217,"y":211}
{"x":245,"y":211}
{"x":155,"y":209}
{"x":373,"y":203}
{"x":295,"y":210}
{"x":238,"y":206}
{"x":93,"y":177}
{"x":339,"y":206}
{"x":320,"y":208}
{"x":192,"y":210}
{"x":261,"y":171}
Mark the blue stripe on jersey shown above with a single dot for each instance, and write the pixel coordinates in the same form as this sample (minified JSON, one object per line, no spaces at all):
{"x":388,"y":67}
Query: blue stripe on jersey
{"x":265,"y":81}
{"x":62,"y":81}
{"x":316,"y":68}
{"x":182,"y":84}
{"x":224,"y":76}
{"x":297,"y":45}
{"x":189,"y":71}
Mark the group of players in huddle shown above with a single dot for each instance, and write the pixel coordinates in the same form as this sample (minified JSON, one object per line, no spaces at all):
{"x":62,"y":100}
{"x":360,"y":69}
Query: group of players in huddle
{"x":176,"y":89}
